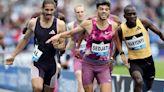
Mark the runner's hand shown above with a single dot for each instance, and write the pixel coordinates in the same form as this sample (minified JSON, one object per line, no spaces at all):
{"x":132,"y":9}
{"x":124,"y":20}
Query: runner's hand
{"x":77,"y":53}
{"x":53,"y":38}
{"x":87,"y":52}
{"x":127,"y":65}
{"x":111,"y":61}
{"x":55,"y":43}
{"x":125,"y":60}
{"x":10,"y":60}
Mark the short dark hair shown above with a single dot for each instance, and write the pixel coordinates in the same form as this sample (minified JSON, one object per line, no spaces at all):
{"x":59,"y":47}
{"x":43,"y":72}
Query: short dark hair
{"x":48,"y":2}
{"x":102,"y":2}
{"x":128,"y":7}
{"x":56,"y":1}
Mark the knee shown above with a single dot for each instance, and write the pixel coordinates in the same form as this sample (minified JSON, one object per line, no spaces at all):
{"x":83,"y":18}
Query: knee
{"x":37,"y":88}
{"x":139,"y":81}
{"x":137,"y":78}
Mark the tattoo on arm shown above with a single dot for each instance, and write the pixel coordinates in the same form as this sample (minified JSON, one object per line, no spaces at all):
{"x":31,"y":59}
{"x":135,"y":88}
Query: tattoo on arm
{"x":28,"y":34}
{"x":29,"y":30}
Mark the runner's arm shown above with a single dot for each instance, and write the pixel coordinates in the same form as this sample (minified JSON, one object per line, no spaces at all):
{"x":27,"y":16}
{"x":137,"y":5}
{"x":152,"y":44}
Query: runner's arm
{"x":153,"y":28}
{"x":118,"y":41}
{"x":21,"y":45}
{"x":78,"y":29}
{"x":68,"y":34}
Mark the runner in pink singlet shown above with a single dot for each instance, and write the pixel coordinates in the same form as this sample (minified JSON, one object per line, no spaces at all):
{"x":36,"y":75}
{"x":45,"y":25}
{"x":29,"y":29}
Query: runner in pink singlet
{"x":100,"y":33}
{"x":79,"y":13}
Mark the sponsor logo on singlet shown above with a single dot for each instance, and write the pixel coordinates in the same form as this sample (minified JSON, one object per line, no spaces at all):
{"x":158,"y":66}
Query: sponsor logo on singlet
{"x":52,"y":32}
{"x":136,"y":42}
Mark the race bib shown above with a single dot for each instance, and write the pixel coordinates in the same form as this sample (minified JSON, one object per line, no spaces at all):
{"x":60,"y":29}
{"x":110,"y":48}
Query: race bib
{"x":36,"y":54}
{"x":82,"y":46}
{"x":100,"y":49}
{"x":136,"y":43}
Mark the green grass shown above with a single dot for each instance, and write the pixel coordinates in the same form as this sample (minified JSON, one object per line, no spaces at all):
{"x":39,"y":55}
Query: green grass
{"x":121,"y":70}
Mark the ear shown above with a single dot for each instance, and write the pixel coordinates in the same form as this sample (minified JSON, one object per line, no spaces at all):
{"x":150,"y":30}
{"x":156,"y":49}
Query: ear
{"x":124,"y":16}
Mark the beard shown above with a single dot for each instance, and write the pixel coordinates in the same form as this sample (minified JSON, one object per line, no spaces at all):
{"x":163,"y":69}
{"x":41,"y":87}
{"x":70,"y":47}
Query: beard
{"x":103,"y":16}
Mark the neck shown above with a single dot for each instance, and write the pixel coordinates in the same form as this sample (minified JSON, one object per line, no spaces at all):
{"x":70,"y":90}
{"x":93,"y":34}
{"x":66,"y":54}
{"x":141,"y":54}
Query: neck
{"x":46,"y":20}
{"x":130,"y":25}
{"x":101,"y":22}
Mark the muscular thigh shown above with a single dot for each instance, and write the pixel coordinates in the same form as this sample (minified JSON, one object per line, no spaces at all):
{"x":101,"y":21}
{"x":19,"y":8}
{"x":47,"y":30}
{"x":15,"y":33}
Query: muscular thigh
{"x":149,"y":69}
{"x":87,"y":73}
{"x":144,"y":66}
{"x":46,"y":69}
{"x":102,"y":74}
{"x":135,"y":68}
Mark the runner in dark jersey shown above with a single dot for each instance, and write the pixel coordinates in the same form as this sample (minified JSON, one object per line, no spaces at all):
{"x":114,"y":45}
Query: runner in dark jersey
{"x":60,"y":16}
{"x":44,"y":66}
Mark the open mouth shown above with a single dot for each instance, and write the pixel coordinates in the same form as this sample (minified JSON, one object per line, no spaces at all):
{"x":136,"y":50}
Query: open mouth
{"x":103,"y":15}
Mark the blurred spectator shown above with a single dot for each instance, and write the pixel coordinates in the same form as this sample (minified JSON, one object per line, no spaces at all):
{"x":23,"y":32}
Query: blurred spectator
{"x":15,"y":13}
{"x":160,"y":13}
{"x":1,"y":14}
{"x":117,"y":7}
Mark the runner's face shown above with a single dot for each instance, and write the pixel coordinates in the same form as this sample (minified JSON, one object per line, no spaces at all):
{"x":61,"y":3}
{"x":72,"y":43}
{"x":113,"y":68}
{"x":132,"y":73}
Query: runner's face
{"x":79,"y":12}
{"x":48,"y":11}
{"x":103,"y":12}
{"x":131,"y":15}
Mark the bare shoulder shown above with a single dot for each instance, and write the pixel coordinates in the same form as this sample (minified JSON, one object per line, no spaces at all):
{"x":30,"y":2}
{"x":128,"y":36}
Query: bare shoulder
{"x":146,"y":22}
{"x":61,"y":16}
{"x":32,"y":23}
{"x":61,"y":26}
{"x":143,"y":20}
{"x":86,"y":23}
{"x":60,"y":22}
{"x":115,"y":25}
{"x":115,"y":18}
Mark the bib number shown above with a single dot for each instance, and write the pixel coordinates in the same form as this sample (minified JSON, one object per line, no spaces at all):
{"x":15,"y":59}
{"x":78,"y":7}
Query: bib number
{"x":136,"y":43}
{"x":36,"y":54}
{"x":100,"y":49}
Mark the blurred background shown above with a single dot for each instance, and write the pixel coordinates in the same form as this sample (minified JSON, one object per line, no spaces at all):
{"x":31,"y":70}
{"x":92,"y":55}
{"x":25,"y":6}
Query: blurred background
{"x":15,"y":13}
